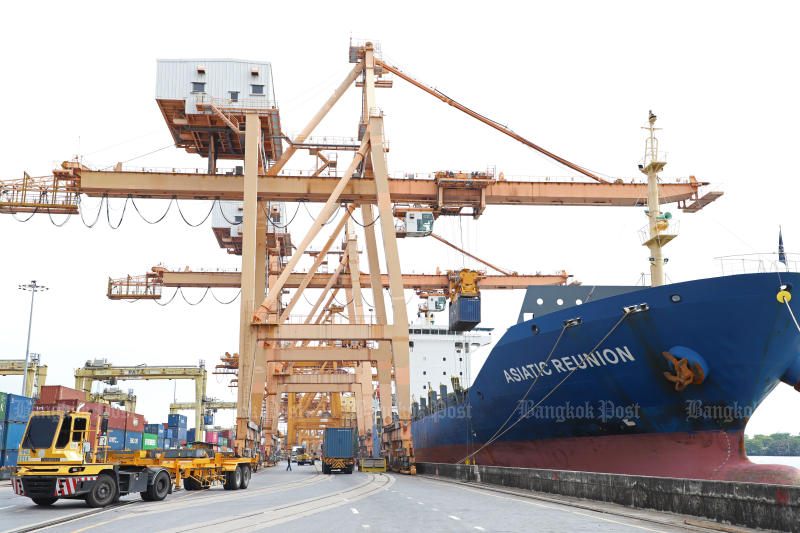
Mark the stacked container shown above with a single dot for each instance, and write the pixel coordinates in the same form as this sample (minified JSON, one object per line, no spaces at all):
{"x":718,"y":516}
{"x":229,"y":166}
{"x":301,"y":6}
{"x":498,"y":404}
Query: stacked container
{"x":17,"y":409}
{"x":176,"y":429}
{"x":134,"y":426}
{"x":149,"y":441}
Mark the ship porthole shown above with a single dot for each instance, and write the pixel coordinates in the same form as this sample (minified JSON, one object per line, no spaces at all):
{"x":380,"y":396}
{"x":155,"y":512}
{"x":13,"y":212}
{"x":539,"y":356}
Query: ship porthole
{"x":535,"y":329}
{"x":539,"y":301}
{"x":578,"y":301}
{"x":560,"y":301}
{"x":675,"y":298}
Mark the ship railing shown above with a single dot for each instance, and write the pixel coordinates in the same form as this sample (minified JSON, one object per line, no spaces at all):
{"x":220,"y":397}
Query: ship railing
{"x":758,"y":263}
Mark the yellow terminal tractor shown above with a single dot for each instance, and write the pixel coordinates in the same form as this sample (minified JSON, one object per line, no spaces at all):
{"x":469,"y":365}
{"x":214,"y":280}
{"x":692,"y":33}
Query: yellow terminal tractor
{"x":56,"y":460}
{"x":61,"y":456}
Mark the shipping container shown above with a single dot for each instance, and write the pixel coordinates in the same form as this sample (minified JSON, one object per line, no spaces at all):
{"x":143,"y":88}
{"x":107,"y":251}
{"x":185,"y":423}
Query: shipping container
{"x":116,"y":439}
{"x":465,"y":313}
{"x":176,"y":421}
{"x":9,"y":458}
{"x":339,"y":442}
{"x":14,"y":432}
{"x":18,"y":408}
{"x":149,"y":441}
{"x":134,"y":422}
{"x":133,"y":440}
{"x":208,"y":420}
{"x":57,"y":393}
{"x":2,"y":434}
{"x":211,"y":437}
{"x":155,"y":429}
{"x":167,"y":444}
{"x":227,"y":433}
{"x":161,"y":444}
{"x":3,"y":401}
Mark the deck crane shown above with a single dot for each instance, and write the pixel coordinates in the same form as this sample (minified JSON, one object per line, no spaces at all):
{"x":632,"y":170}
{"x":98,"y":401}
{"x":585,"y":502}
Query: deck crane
{"x":267,"y":337}
{"x":101,"y":370}
{"x":37,"y":373}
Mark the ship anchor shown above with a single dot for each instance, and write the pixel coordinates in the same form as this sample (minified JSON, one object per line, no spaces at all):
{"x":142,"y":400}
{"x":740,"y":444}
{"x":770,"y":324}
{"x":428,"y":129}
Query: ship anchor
{"x":686,"y":372}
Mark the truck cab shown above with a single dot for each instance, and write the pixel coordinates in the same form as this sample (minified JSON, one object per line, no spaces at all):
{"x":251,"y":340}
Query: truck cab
{"x":62,"y":456}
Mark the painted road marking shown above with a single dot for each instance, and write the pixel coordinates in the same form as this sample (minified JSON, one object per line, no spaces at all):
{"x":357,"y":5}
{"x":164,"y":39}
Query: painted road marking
{"x":435,"y":509}
{"x":420,"y":503}
{"x":365,"y":526}
{"x":453,"y":517}
{"x":479,"y":528}
{"x":355,"y":511}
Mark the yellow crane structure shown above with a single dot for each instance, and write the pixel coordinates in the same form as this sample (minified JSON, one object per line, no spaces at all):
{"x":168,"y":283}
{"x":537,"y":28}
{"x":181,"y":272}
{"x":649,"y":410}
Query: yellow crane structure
{"x":37,"y":374}
{"x":101,"y":370}
{"x":115,"y":395}
{"x":272,"y":337}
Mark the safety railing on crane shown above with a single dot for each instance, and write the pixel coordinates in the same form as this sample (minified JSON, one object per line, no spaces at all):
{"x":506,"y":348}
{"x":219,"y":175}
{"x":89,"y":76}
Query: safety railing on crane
{"x":56,"y":194}
{"x":146,"y":287}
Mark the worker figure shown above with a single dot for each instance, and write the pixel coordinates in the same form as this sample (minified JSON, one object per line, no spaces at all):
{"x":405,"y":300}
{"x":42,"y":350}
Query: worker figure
{"x":289,"y":463}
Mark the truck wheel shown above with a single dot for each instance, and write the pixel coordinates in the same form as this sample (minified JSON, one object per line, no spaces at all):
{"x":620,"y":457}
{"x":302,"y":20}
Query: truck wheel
{"x":159,"y":489}
{"x":246,"y":475}
{"x":233,"y":479}
{"x":349,"y":469}
{"x":103,"y":491}
{"x":326,"y":469}
{"x":44,"y":502}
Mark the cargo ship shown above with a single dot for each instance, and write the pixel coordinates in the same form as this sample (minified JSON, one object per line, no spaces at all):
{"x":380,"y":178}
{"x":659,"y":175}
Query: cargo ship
{"x":656,"y":381}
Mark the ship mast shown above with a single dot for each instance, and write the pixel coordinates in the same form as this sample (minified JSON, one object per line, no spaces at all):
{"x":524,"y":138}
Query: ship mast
{"x":658,"y":222}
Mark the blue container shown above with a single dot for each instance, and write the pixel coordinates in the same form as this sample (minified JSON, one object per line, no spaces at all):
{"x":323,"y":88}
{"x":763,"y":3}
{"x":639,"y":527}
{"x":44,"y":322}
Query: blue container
{"x":190,"y":435}
{"x":339,"y":442}
{"x":465,"y":313}
{"x":18,"y":408}
{"x":208,"y":420}
{"x":2,"y":434}
{"x":183,"y":433}
{"x":133,"y":441}
{"x":14,"y":432}
{"x":116,"y":439}
{"x":154,"y":429}
{"x":167,"y":444}
{"x":9,"y":458}
{"x":176,"y":421}
{"x":160,"y":444}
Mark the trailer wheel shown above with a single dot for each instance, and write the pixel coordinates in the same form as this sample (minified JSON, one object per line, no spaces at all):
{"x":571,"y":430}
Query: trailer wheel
{"x":159,"y":489}
{"x":246,"y":475}
{"x":44,"y":502}
{"x":191,"y":484}
{"x":103,"y":491}
{"x":349,"y":469}
{"x":233,"y":479}
{"x":326,"y":469}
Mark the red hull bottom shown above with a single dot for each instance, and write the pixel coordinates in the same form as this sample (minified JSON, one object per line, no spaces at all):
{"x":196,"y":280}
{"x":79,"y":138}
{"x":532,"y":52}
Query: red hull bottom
{"x":716,"y":455}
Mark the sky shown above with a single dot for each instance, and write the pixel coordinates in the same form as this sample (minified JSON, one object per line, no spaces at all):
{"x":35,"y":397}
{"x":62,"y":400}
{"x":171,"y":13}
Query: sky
{"x":577,"y":78}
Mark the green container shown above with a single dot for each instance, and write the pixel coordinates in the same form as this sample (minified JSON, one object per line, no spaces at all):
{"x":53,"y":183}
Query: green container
{"x":3,"y":400}
{"x":149,"y":441}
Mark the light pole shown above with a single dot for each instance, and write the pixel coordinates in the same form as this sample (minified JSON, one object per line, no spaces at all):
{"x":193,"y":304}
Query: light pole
{"x":33,"y":287}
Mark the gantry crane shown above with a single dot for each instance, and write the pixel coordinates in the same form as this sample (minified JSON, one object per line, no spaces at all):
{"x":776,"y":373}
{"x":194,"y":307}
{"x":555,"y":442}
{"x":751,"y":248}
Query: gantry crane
{"x":101,"y":370}
{"x":268,"y":337}
{"x":115,"y":395}
{"x":37,"y":374}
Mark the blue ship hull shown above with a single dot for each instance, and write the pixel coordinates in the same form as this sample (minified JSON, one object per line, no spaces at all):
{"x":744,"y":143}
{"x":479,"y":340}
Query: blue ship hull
{"x":593,"y":396}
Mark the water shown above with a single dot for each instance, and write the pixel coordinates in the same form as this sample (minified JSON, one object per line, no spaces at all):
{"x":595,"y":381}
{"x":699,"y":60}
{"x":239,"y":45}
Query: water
{"x":776,"y":460}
